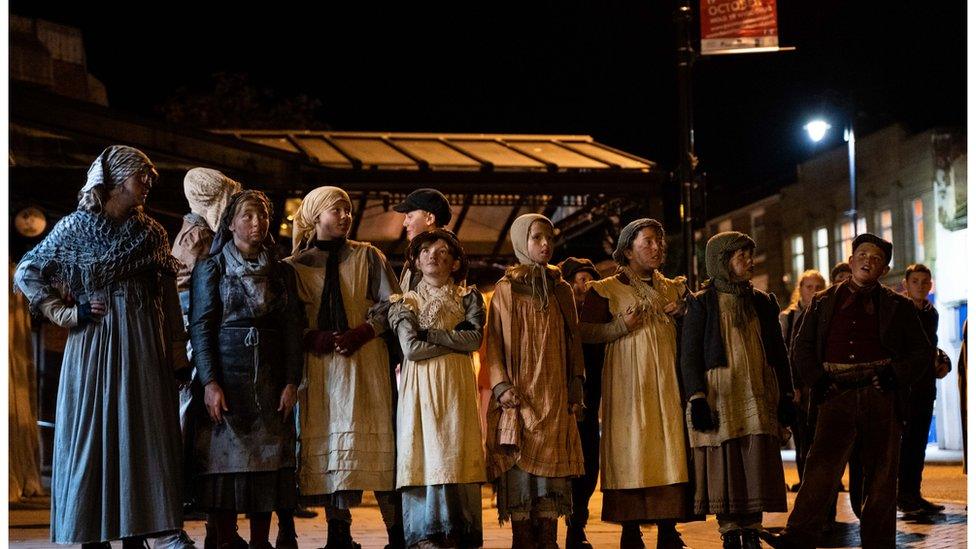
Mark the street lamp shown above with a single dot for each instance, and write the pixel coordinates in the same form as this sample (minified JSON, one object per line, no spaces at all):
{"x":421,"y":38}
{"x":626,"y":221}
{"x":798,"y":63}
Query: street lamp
{"x":817,"y":129}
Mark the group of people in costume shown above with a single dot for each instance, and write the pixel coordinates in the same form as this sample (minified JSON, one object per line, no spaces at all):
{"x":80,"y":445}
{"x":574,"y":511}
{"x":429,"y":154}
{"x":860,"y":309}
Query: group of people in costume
{"x":323,"y":375}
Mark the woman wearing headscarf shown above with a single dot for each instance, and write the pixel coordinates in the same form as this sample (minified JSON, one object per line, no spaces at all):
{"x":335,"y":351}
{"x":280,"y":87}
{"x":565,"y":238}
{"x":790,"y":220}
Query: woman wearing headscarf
{"x":440,"y":461}
{"x":535,"y":361}
{"x":105,"y":272}
{"x":246,"y":330}
{"x":739,"y":391}
{"x":345,"y":405}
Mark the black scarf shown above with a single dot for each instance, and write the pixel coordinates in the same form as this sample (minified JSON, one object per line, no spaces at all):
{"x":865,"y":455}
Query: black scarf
{"x":332,"y":311}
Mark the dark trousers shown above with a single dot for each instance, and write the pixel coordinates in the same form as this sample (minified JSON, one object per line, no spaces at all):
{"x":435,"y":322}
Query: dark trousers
{"x":913,"y":443}
{"x":806,"y":426}
{"x":866,"y":415}
{"x":584,"y":486}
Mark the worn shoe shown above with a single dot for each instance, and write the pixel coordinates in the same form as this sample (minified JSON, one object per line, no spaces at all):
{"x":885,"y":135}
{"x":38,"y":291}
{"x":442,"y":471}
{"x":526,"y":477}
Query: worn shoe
{"x":304,"y":512}
{"x":395,"y":537}
{"x":783,"y":540}
{"x":177,"y":539}
{"x":750,"y":539}
{"x":260,"y":545}
{"x":929,"y":507}
{"x":732,"y":540}
{"x":668,"y":537}
{"x":339,"y":536}
{"x":631,"y":536}
{"x":576,"y":538}
{"x":286,"y":540}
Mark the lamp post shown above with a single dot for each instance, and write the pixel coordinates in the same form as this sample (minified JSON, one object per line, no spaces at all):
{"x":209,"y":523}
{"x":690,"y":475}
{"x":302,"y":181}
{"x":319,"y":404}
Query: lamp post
{"x":817,"y":129}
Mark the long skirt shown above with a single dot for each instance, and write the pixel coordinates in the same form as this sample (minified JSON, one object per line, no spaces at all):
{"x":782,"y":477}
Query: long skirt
{"x":520,"y":494}
{"x":117,"y":447}
{"x":444,"y":512}
{"x":259,"y":492}
{"x":671,"y":502}
{"x":743,"y":475}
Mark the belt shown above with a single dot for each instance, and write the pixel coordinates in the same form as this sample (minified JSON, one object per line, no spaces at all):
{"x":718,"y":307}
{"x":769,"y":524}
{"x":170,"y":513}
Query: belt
{"x":854,"y":374}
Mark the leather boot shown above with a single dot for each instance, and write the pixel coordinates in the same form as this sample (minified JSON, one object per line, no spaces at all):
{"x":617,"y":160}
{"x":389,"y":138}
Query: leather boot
{"x":668,"y":536}
{"x":732,"y":540}
{"x":339,"y":536}
{"x":287,"y":536}
{"x":631,"y":537}
{"x":750,"y":539}
{"x":576,"y":537}
{"x":545,"y":533}
{"x":522,"y":535}
{"x":395,"y":537}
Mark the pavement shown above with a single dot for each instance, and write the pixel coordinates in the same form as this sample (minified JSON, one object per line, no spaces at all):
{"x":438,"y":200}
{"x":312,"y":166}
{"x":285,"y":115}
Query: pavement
{"x":943,"y":483}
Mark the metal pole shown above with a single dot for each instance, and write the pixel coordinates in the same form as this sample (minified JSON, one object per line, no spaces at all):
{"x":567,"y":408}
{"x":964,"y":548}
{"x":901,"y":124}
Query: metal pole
{"x":686,"y":57}
{"x":851,"y":170}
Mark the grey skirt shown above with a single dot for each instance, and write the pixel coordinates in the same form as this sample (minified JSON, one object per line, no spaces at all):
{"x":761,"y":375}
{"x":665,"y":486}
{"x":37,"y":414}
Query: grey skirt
{"x":521,"y":492}
{"x":443,"y":513}
{"x":743,"y":475}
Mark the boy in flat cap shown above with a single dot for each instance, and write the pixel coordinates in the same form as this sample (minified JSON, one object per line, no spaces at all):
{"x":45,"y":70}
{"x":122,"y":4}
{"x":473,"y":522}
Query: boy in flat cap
{"x":739,"y":391}
{"x":423,"y":210}
{"x":860,"y":347}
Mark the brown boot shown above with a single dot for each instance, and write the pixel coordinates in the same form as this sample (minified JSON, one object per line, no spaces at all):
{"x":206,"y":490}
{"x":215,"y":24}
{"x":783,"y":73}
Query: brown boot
{"x":545,"y":533}
{"x":522,"y":535}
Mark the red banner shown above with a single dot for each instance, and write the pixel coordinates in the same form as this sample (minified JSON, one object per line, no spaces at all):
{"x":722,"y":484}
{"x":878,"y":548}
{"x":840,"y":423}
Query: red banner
{"x":738,"y":26}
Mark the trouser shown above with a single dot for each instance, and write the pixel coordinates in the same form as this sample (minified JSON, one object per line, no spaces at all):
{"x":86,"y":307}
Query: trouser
{"x":913,"y":443}
{"x":806,"y":424}
{"x":584,"y":486}
{"x":863,"y":414}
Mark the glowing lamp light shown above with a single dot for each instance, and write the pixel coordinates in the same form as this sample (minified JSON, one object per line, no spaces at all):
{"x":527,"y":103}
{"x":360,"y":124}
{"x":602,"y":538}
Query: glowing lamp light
{"x":817,"y":129}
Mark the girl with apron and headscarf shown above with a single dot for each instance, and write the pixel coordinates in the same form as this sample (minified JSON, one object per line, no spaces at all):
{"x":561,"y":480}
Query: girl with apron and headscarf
{"x":245,"y":327}
{"x":535,"y":361}
{"x":346,"y":401}
{"x":105,"y":272}
{"x":440,"y":460}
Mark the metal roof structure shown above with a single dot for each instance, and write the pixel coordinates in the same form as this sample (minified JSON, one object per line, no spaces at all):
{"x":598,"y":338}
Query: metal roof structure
{"x":490,"y":179}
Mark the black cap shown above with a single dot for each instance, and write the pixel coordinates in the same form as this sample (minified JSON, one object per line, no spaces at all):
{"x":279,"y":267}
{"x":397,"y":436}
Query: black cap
{"x":868,"y":238}
{"x":572,"y":265}
{"x":428,"y":200}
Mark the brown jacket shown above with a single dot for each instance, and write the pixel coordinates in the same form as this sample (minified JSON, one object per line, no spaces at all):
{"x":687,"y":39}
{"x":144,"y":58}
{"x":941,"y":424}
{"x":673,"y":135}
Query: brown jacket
{"x":192,"y":244}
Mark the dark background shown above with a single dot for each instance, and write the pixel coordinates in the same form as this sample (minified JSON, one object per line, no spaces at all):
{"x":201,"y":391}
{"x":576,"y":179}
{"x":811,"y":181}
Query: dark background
{"x":604,"y":68}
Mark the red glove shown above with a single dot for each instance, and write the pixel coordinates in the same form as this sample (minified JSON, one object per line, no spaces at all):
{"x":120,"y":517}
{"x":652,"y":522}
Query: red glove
{"x":348,"y":342}
{"x":319,"y":341}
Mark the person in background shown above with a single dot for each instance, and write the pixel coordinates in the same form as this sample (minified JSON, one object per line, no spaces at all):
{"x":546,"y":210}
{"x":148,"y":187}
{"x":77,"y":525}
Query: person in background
{"x":635,"y":315}
{"x":740,"y":396}
{"x":579,"y":272}
{"x":915,"y":437}
{"x":840,"y":273}
{"x":809,"y":284}
{"x":423,"y":210}
{"x":535,"y":361}
{"x":105,"y":271}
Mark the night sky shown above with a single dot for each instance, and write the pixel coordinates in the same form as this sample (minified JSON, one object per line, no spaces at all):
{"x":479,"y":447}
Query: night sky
{"x":604,"y":68}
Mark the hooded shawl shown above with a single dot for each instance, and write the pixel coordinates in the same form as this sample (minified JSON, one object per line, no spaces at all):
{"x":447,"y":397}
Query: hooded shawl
{"x":718,"y":251}
{"x":540,"y":278}
{"x":208,"y":192}
{"x":86,"y":251}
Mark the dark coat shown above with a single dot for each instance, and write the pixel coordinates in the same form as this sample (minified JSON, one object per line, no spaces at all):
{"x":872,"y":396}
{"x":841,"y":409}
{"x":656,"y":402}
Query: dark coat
{"x":252,"y":356}
{"x":702,"y":347}
{"x":902,"y":337}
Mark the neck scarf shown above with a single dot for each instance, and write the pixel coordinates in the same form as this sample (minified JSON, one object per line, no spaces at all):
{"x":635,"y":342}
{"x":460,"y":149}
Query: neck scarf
{"x":332,"y":311}
{"x":438,"y":302}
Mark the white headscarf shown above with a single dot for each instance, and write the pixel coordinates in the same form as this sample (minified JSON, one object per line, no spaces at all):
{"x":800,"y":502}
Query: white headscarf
{"x":314,"y":203}
{"x":208,"y":192}
{"x":519,"y":233}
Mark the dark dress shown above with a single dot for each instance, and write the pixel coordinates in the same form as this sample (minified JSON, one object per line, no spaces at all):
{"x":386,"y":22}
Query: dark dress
{"x":246,"y":329}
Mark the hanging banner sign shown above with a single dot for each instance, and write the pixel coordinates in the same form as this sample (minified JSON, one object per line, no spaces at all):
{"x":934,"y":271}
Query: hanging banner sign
{"x":738,"y":26}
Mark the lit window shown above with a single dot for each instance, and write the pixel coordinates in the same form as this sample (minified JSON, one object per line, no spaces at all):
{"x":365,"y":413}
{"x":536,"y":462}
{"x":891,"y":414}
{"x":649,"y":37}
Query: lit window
{"x":885,"y":229}
{"x":796,"y":246}
{"x":918,"y":229}
{"x":845,"y":234}
{"x":821,"y":252}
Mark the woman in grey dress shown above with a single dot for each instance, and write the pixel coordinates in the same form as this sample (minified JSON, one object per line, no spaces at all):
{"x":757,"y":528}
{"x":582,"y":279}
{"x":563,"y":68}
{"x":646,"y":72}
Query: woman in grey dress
{"x":246,"y":329}
{"x":105,"y":273}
